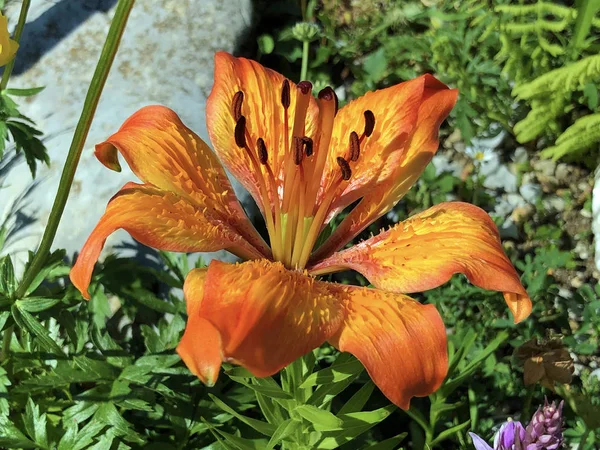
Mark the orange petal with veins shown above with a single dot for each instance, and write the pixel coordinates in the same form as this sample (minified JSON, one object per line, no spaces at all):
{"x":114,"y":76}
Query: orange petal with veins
{"x":200,"y":345}
{"x":435,"y":105}
{"x":163,"y":152}
{"x":158,"y":219}
{"x":265,"y":315}
{"x":264,"y":114}
{"x":401,"y":343}
{"x":395,"y":110}
{"x":424,"y":252}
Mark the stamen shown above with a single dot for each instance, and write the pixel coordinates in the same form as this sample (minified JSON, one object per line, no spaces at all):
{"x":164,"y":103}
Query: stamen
{"x":240,"y":132}
{"x":298,"y":150}
{"x":285,"y":94}
{"x":329,"y":94}
{"x":236,"y":105}
{"x":369,"y":122}
{"x":354,"y":146}
{"x":308,"y":145}
{"x":305,"y":87}
{"x":345,"y":167}
{"x":261,"y":149}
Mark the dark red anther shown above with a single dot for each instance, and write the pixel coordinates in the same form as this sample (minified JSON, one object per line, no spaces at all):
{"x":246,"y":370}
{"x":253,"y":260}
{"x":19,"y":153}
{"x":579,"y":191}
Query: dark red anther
{"x":369,"y":122}
{"x":240,"y":132}
{"x":285,"y":94}
{"x":298,"y":150}
{"x":308,"y":145}
{"x":305,"y":87}
{"x":345,"y":168}
{"x":261,"y":148}
{"x":236,"y":105}
{"x":354,"y":146}
{"x":328,"y":94}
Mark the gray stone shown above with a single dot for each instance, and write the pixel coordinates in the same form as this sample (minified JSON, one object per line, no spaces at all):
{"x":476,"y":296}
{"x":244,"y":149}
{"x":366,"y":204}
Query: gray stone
{"x":530,"y":192}
{"x":166,"y":57}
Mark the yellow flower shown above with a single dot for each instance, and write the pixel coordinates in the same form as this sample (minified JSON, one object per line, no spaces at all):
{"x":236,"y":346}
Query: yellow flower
{"x":8,"y":46}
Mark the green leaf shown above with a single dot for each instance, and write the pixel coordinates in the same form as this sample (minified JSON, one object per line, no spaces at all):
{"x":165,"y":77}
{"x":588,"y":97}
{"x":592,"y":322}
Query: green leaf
{"x":388,"y":444}
{"x":590,"y":92}
{"x":12,"y":437}
{"x":322,"y":420}
{"x":334,"y":374}
{"x":25,"y":92}
{"x":27,"y":321}
{"x":35,"y":424}
{"x":262,"y":427}
{"x":358,"y":400}
{"x":450,"y":385}
{"x":354,"y":424}
{"x":449,"y":432}
{"x":284,"y":430}
{"x":37,"y":304}
{"x":8,"y":283}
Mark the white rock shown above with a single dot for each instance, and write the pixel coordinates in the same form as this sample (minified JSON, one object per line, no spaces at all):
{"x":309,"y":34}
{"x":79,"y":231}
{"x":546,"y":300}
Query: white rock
{"x":166,"y":57}
{"x":596,"y":217}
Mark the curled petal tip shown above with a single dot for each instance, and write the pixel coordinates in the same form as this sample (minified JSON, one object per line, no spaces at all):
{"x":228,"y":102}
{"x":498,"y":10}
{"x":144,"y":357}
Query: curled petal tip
{"x":200,"y":350}
{"x":107,"y":155}
{"x":519,"y":305}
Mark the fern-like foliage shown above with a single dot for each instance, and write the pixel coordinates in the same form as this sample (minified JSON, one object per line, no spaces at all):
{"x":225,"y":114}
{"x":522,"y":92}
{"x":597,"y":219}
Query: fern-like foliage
{"x":549,"y":96}
{"x":581,"y":136}
{"x":565,"y":79}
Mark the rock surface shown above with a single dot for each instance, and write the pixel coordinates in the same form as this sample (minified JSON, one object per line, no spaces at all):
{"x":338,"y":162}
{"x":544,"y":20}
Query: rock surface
{"x":166,"y":57}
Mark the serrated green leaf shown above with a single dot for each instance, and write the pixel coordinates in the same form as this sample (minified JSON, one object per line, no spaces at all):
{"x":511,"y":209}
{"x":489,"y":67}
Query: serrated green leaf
{"x":69,"y":439}
{"x":284,"y":430}
{"x":35,"y":424}
{"x":27,"y":321}
{"x":12,"y":437}
{"x":321,"y":420}
{"x":262,"y":427}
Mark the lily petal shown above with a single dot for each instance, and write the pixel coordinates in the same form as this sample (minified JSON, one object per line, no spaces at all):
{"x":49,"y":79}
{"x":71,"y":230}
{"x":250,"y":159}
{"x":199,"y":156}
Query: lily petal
{"x":163,"y":152}
{"x":435,"y":104}
{"x":266,"y":318}
{"x":264,"y":113}
{"x":424,"y":252}
{"x":395,"y":110}
{"x":401,"y":343}
{"x":200,"y":345}
{"x":158,"y":219}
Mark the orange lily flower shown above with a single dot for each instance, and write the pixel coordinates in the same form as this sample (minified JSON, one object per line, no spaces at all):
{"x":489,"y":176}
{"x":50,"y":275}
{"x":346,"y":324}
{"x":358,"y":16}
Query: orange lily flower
{"x":303,"y":161}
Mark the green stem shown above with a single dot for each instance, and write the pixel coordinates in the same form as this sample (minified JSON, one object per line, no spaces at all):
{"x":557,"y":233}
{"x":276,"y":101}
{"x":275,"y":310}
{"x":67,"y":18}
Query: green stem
{"x":117,"y":27}
{"x":6,"y":338}
{"x":17,"y":37}
{"x":304,"y":71}
{"x":527,"y":402}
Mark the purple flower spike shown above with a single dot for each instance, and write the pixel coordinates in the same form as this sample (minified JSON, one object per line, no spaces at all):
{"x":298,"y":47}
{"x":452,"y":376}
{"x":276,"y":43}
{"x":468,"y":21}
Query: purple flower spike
{"x":545,"y":429}
{"x":544,"y":432}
